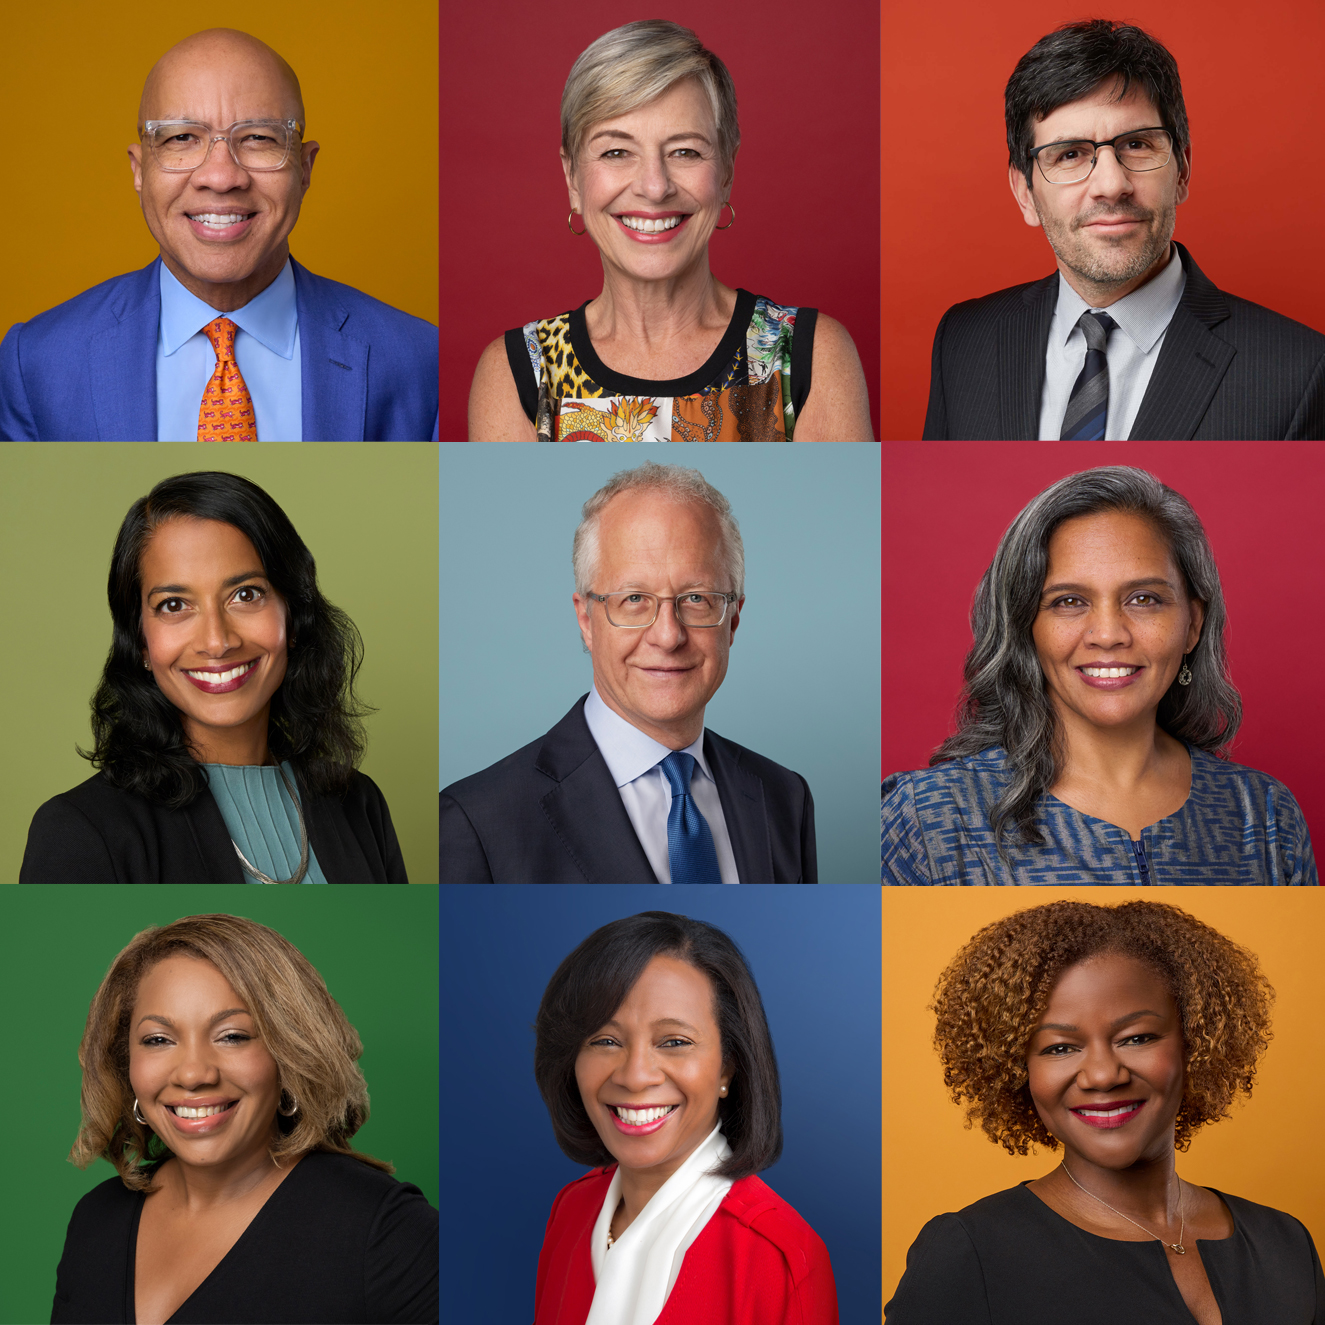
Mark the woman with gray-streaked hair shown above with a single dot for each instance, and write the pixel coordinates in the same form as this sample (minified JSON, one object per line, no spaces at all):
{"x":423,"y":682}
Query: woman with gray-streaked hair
{"x":1096,"y":715}
{"x":666,"y":352}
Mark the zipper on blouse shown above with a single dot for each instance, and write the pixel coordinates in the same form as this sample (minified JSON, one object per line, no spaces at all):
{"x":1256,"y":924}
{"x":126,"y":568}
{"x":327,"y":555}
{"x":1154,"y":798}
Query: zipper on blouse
{"x":1139,"y":850}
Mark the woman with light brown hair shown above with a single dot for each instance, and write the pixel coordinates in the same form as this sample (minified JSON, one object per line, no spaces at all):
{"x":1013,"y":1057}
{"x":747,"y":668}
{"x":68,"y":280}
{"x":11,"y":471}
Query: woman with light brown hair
{"x":220,"y":1079}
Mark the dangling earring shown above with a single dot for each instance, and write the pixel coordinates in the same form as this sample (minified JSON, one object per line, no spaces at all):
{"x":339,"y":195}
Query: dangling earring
{"x":138,"y":1117}
{"x":1185,"y":673}
{"x":730,"y":223}
{"x":294,"y":1105}
{"x":571,"y":228}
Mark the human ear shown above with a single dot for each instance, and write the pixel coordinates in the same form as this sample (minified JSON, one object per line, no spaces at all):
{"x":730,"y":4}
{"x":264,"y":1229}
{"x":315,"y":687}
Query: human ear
{"x":1021,"y":191}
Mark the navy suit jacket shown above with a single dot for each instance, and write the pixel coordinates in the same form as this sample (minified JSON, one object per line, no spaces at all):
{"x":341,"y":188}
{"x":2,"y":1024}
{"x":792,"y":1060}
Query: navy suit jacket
{"x":1229,"y":370}
{"x":550,"y":813}
{"x":85,"y":371}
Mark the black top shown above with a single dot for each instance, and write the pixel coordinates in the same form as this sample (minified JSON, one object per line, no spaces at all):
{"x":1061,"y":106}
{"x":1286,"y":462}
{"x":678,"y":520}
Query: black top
{"x":337,"y":1243}
{"x":1011,"y":1260}
{"x":551,"y":813}
{"x":98,"y":833}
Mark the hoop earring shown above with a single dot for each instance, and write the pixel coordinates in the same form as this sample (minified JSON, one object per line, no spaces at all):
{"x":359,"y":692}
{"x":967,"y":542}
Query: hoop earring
{"x":1185,"y":674}
{"x":138,"y":1117}
{"x":730,"y":223}
{"x":294,"y":1105}
{"x":572,"y":229}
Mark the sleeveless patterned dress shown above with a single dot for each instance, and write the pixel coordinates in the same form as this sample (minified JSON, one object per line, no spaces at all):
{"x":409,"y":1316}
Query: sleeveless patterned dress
{"x":749,"y":390}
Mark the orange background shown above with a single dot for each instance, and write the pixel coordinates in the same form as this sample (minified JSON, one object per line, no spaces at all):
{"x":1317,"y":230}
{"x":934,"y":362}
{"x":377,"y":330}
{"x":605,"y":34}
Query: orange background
{"x":1255,"y":98}
{"x":1267,"y":1151}
{"x":69,"y":98}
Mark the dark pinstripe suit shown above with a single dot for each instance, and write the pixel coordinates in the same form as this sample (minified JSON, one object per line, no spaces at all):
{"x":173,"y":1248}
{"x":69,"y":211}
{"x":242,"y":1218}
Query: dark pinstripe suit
{"x":1228,"y":370}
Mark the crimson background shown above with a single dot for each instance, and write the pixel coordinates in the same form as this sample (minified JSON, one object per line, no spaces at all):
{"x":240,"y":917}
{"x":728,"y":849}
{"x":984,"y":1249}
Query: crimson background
{"x":945,"y":506}
{"x":1255,"y":97}
{"x":807,"y":183}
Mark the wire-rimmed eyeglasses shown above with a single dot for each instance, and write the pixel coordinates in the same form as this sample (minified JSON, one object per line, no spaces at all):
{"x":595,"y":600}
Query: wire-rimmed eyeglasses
{"x":697,"y":608}
{"x":1071,"y":161}
{"x":183,"y":145}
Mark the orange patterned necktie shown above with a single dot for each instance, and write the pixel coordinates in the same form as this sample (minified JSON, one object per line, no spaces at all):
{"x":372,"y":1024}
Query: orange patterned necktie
{"x":226,"y":414}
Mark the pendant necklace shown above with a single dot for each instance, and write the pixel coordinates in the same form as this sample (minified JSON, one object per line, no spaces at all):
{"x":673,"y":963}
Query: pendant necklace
{"x":1182,"y":1228}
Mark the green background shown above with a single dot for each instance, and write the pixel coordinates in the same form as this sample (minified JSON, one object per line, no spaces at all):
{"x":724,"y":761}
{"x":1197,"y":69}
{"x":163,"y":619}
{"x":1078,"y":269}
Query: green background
{"x":367,"y":513}
{"x":376,"y":948}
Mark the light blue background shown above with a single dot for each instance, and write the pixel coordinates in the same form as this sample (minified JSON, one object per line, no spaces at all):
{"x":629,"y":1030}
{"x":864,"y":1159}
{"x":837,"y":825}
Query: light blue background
{"x":802,"y":687}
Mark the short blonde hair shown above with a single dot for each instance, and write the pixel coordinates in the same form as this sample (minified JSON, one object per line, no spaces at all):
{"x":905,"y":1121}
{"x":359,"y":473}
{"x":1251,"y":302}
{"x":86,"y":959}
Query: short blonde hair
{"x":632,"y":65}
{"x":303,"y":1028}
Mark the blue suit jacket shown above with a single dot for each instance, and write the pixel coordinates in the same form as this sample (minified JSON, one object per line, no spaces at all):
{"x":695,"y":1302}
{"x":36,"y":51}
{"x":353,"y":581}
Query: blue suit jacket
{"x":85,"y":371}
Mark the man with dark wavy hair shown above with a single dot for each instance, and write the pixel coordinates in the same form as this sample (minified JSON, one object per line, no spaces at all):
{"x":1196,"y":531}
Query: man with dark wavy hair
{"x":1129,"y":339}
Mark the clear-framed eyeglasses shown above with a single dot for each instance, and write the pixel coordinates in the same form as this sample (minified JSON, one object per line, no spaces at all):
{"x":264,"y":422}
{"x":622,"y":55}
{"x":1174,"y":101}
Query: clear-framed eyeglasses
{"x":698,"y":609}
{"x":183,"y":145}
{"x":1071,"y":161}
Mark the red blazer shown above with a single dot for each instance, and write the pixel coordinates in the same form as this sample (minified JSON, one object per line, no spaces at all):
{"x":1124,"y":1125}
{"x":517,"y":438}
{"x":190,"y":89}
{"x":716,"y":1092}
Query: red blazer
{"x":756,"y":1262}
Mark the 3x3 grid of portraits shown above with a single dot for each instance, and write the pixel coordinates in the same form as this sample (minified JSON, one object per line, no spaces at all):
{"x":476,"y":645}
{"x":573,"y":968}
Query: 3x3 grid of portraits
{"x":995,"y":566}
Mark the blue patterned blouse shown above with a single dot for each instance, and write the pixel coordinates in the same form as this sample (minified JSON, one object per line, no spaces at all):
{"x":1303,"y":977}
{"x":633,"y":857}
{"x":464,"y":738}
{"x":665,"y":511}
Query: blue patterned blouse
{"x":1238,"y":826}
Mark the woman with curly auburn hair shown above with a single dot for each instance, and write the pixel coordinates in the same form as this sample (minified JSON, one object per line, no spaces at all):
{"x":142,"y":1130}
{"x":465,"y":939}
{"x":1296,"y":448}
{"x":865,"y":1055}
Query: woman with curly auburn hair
{"x":220,"y":1079}
{"x":1114,"y":1033}
{"x":1097,"y":714}
{"x":226,"y":727}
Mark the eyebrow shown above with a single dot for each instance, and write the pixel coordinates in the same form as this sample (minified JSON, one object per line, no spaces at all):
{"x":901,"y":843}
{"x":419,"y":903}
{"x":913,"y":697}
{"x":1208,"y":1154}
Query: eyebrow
{"x":225,"y":584}
{"x":220,"y":1016}
{"x":637,"y":586}
{"x":662,"y":1021}
{"x":630,"y":137}
{"x":1131,"y":584}
{"x":1113,"y":1025}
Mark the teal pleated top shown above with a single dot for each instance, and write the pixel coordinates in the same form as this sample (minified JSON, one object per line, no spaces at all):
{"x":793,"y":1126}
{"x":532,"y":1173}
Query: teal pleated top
{"x":261,"y":819}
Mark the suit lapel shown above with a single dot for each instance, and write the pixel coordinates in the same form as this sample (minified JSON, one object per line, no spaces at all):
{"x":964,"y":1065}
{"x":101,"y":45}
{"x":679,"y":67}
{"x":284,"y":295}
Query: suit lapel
{"x":1192,"y":362}
{"x":584,"y":806}
{"x":333,"y":365}
{"x":212,"y":841}
{"x":743,"y":810}
{"x":122,"y":361}
{"x":1023,"y":337}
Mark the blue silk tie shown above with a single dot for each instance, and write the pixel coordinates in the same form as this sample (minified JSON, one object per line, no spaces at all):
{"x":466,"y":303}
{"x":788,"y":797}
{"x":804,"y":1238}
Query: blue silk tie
{"x":690,"y":849}
{"x":1088,"y":409}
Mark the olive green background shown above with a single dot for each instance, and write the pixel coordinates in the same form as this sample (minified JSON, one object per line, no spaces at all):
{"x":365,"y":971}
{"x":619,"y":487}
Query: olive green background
{"x":376,"y":948}
{"x":369,"y":516}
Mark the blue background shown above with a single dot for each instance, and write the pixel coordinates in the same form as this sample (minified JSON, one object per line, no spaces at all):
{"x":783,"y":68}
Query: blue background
{"x":802,"y":687}
{"x":814,"y":953}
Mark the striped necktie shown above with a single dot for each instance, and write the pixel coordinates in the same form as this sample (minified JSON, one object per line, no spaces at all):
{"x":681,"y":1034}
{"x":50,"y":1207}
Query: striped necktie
{"x":1088,"y":407}
{"x":690,"y":850}
{"x":226,"y":412}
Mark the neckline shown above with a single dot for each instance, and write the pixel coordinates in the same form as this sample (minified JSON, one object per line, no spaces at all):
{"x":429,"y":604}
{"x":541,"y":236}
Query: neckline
{"x":620,"y":384}
{"x":1134,"y":841}
{"x":131,"y":1303}
{"x":1024,"y":1186}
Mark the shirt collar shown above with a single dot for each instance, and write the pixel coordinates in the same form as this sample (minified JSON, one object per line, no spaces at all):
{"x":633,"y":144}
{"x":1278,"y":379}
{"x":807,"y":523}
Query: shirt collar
{"x":628,"y":752}
{"x":270,"y":317}
{"x":1142,"y":316}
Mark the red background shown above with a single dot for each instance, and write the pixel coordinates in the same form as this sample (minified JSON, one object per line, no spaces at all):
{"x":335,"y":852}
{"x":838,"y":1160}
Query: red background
{"x":946,"y":505}
{"x":807,"y":183}
{"x":1252,"y":80}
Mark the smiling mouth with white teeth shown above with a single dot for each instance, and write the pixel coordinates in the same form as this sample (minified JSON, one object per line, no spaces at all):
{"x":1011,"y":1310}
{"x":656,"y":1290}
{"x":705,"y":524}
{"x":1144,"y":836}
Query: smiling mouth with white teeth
{"x":220,"y":220}
{"x":639,"y":1117}
{"x":220,"y":678}
{"x":184,"y":1111}
{"x":649,"y":225}
{"x":1109,"y":673}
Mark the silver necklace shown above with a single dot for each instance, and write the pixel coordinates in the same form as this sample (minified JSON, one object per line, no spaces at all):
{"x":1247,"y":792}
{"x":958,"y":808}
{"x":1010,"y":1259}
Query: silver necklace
{"x":298,"y":875}
{"x":1182,"y":1228}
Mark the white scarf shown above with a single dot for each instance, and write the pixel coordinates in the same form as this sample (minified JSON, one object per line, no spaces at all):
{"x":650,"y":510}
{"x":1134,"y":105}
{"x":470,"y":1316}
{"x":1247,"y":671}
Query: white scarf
{"x":635,"y":1276}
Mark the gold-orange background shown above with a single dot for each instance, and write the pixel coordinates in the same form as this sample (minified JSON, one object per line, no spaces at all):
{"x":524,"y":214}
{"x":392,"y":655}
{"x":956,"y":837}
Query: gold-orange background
{"x":1268,"y":1150}
{"x":73,"y":73}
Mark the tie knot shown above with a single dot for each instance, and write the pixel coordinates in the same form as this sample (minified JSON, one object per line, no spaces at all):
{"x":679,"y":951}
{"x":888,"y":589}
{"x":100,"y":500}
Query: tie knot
{"x":678,"y":768}
{"x":1095,"y":327}
{"x":221,"y":333}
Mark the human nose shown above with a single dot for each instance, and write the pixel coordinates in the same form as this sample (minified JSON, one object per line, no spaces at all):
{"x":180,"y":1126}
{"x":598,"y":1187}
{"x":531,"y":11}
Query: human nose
{"x":1108,"y":179}
{"x":216,"y":636}
{"x":195,"y":1066}
{"x":1108,"y":627}
{"x":653,"y":181}
{"x":1101,"y":1069}
{"x":667,"y":632}
{"x":220,"y":171}
{"x":638,"y":1070}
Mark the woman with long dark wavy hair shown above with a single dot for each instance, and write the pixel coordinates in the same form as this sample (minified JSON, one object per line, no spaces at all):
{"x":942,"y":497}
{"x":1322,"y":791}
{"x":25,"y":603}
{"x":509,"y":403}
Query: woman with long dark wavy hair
{"x":1097,"y":713}
{"x":226,"y":730}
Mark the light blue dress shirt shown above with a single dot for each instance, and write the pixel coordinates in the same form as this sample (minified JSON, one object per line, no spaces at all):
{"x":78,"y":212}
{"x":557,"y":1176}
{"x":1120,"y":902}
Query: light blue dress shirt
{"x":266,"y":352}
{"x":262,"y":820}
{"x":632,"y":758}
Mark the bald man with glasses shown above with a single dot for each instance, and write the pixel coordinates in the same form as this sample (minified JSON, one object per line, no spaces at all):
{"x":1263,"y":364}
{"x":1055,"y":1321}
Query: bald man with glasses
{"x":224,"y":337}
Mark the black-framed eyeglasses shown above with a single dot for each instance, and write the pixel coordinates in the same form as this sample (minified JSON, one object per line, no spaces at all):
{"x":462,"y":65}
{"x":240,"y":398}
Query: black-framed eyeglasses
{"x":1071,"y":161}
{"x":180,"y":146}
{"x":697,"y":609}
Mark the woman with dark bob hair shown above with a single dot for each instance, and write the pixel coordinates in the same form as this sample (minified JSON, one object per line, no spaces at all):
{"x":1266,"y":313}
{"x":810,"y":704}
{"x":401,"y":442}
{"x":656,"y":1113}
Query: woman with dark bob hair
{"x":1092,"y":736}
{"x":655,"y":1063}
{"x":220,"y":1078}
{"x":1115,"y":1033}
{"x":227,"y":732}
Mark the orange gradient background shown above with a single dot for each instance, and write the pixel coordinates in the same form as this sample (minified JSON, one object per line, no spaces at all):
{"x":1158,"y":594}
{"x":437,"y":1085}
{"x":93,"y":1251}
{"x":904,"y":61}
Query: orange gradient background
{"x":1251,"y":78}
{"x":69,"y":99}
{"x":1268,"y":1150}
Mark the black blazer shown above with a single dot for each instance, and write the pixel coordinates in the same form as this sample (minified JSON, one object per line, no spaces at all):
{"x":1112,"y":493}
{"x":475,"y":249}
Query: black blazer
{"x":550,"y":813}
{"x":97,"y":833}
{"x":1228,"y":370}
{"x":337,"y":1243}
